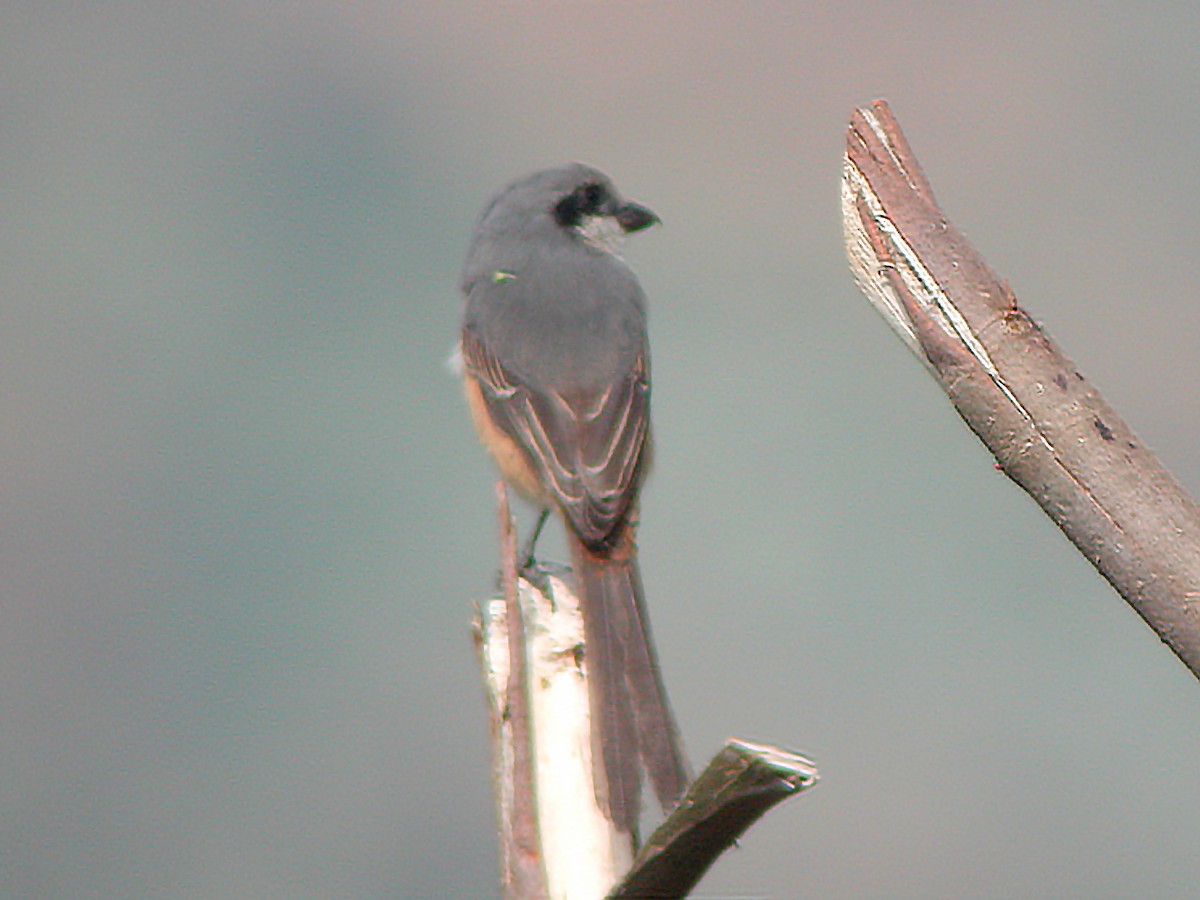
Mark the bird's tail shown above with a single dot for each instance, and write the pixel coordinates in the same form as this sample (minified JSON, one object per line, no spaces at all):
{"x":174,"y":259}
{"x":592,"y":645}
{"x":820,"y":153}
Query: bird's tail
{"x":632,"y":722}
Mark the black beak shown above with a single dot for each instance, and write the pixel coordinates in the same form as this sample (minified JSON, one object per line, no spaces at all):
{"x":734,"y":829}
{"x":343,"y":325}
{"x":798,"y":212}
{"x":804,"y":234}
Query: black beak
{"x":635,"y":217}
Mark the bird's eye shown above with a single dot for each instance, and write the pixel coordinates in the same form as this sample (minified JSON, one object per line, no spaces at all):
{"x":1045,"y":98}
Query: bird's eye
{"x":587,"y":200}
{"x":593,"y":198}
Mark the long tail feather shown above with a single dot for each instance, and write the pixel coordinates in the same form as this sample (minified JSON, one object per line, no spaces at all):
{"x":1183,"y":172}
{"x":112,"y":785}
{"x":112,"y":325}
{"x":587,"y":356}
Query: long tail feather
{"x":633,"y":726}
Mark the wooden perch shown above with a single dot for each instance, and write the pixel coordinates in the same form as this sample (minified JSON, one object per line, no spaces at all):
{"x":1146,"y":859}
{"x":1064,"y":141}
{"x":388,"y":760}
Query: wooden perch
{"x":500,"y":639}
{"x":1049,"y":429}
{"x":555,"y":838}
{"x":739,"y":786}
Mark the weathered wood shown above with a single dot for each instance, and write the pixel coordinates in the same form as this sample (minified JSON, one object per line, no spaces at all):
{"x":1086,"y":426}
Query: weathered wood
{"x":739,"y":786}
{"x":1048,"y":428}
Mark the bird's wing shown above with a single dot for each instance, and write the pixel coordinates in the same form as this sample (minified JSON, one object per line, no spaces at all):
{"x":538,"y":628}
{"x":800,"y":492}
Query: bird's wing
{"x":586,"y":443}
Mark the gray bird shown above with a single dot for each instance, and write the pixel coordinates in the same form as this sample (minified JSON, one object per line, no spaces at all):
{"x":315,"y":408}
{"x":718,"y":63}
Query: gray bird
{"x":557,"y":375}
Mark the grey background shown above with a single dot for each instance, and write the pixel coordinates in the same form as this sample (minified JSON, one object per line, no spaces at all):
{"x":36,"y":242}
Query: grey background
{"x":244,"y":515}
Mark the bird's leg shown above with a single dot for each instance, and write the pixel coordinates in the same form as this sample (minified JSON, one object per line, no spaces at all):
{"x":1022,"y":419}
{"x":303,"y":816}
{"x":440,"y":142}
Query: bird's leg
{"x":526,"y":558}
{"x":528,"y":567}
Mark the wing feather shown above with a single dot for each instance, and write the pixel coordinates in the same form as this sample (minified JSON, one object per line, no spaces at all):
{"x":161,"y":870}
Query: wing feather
{"x":585,"y":443}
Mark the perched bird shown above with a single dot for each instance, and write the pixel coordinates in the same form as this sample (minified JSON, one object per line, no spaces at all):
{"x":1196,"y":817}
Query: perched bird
{"x":557,"y":375}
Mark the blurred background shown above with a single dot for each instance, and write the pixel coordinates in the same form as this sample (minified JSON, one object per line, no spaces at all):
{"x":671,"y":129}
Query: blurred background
{"x":244,"y":516}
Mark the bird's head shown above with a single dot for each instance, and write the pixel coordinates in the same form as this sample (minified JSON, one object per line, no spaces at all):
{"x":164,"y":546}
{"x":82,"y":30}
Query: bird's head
{"x":575,"y":198}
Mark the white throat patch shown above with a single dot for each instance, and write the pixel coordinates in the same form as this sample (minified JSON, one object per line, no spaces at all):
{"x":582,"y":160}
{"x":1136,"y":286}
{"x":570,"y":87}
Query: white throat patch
{"x":602,"y":232}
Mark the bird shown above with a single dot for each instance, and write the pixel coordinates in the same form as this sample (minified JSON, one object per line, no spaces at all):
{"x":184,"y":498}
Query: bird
{"x":556,"y":368}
